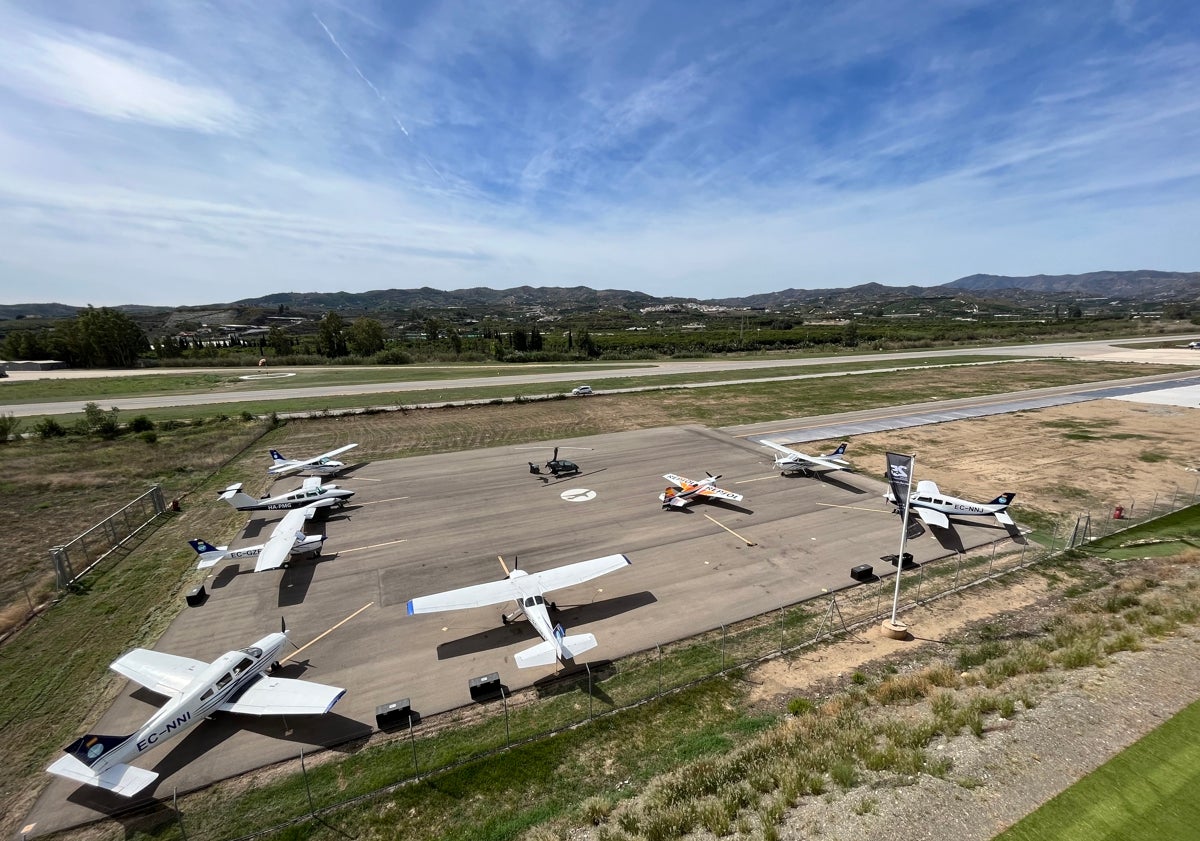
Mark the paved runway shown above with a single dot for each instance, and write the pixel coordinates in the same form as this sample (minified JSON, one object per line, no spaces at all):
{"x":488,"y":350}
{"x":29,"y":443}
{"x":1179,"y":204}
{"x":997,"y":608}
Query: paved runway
{"x":427,"y":524}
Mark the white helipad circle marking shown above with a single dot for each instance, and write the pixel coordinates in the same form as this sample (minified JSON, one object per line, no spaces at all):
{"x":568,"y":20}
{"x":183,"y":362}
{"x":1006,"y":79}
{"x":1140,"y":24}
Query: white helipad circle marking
{"x":578,"y":495}
{"x":272,"y":376}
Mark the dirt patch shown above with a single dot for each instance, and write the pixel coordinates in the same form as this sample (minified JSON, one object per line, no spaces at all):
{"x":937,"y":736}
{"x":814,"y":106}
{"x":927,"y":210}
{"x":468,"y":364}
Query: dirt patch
{"x":928,"y":624}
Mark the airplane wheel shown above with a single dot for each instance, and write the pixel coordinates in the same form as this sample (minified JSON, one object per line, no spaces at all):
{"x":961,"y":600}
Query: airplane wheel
{"x":504,"y":618}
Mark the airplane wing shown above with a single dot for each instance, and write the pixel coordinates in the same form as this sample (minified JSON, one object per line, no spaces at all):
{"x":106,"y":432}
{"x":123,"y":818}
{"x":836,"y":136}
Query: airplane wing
{"x":284,"y":696}
{"x":276,"y":550}
{"x":571,"y":574}
{"x":300,"y":464}
{"x":477,"y":595}
{"x":720,"y":493}
{"x":166,"y":674}
{"x":815,"y":461}
{"x":931,"y":517}
{"x":678,"y":480}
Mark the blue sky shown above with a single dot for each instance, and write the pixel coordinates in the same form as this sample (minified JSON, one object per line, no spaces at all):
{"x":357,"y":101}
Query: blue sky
{"x":185,"y":152}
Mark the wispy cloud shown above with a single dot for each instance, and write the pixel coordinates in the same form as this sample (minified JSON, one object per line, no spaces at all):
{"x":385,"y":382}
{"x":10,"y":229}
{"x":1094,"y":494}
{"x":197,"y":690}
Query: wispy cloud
{"x":174,"y":152}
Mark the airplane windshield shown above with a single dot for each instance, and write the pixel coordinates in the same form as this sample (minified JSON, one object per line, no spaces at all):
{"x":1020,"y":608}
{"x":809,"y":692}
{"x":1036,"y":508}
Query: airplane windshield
{"x":254,"y":651}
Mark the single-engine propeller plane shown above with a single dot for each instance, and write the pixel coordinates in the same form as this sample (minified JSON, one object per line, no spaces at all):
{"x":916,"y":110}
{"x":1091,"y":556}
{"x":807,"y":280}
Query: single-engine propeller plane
{"x":287,"y":540}
{"x":684,"y":491}
{"x":311,"y":493}
{"x":322,"y":465}
{"x":236,"y":682}
{"x":528,"y":590}
{"x":790,"y":461}
{"x":935,"y":508}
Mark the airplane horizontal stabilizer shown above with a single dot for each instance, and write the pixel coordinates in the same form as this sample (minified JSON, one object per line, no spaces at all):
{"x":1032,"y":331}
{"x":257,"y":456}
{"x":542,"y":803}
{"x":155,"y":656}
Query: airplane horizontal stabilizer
{"x":579,"y":643}
{"x":125,"y":780}
{"x":1003,"y":518}
{"x":542,"y":654}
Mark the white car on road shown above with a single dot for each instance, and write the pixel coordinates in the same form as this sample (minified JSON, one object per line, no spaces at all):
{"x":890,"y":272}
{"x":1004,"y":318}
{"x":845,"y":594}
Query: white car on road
{"x":581,"y":390}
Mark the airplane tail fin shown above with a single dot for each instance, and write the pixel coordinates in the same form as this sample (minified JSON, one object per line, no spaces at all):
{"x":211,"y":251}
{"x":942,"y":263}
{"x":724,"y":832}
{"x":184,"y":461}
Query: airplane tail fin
{"x":1005,"y":498}
{"x":838,"y":453}
{"x":90,"y":748}
{"x":546,"y":653}
{"x":209,"y":555}
{"x":122,"y":779}
{"x":277,"y":459}
{"x":236,"y":497}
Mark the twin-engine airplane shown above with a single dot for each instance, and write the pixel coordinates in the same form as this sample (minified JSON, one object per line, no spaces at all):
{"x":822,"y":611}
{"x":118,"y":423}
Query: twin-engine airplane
{"x":528,"y":591}
{"x":311,"y":494}
{"x":286,"y":540}
{"x":685,"y":491}
{"x":236,"y":682}
{"x":791,"y":461}
{"x":322,"y":465}
{"x":935,"y":508}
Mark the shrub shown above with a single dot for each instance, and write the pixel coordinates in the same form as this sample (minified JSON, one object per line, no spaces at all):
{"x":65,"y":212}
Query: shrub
{"x":49,"y":428}
{"x":247,"y":415}
{"x":9,"y":426}
{"x":141,"y":424}
{"x":800,"y":706}
{"x":597,"y":809}
{"x":149,"y":436}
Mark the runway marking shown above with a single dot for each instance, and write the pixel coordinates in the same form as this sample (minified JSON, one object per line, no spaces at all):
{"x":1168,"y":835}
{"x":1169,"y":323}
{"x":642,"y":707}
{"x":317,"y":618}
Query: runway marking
{"x":731,"y":531}
{"x":759,"y":479}
{"x":854,"y":508}
{"x":330,"y":631}
{"x":376,"y":502}
{"x":372,"y":546}
{"x":578,"y":495}
{"x":360,"y":478}
{"x":271,"y":376}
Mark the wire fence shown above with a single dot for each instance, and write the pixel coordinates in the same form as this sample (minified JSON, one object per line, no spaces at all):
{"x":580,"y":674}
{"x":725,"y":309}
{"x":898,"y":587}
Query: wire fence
{"x":78,"y":556}
{"x":418,"y":748}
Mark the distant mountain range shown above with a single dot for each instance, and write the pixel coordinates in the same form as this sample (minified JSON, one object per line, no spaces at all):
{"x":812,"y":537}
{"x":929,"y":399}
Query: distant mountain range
{"x":1143,"y":286}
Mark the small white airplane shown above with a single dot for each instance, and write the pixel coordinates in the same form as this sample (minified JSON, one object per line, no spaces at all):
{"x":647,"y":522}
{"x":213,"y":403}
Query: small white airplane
{"x":935,"y":508}
{"x":684,"y":491}
{"x":528,"y":591}
{"x":236,"y":682}
{"x":286,"y":540}
{"x":322,"y":465}
{"x":791,"y":461}
{"x":311,"y":494}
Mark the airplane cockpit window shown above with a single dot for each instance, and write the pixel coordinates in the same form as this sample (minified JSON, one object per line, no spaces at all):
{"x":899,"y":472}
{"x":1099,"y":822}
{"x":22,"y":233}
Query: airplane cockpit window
{"x":225,"y":679}
{"x":538,"y":600}
{"x":244,"y":664}
{"x":253,"y":651}
{"x":208,"y":694}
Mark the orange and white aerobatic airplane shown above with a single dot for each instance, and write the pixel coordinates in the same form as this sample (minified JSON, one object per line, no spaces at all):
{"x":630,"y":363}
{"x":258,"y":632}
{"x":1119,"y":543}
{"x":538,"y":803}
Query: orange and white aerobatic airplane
{"x":685,"y":491}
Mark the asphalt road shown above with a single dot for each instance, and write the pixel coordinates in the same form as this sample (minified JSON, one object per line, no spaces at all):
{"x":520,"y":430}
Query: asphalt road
{"x":1096,"y":350}
{"x":427,"y":524}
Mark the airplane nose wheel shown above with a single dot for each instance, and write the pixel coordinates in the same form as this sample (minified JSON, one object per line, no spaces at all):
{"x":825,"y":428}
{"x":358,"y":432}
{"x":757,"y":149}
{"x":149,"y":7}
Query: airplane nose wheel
{"x":504,"y":619}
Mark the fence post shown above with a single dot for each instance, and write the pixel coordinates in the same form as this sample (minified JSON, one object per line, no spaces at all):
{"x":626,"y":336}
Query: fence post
{"x":307,"y":787}
{"x":591,"y":697}
{"x":658,"y":648}
{"x":63,"y":573}
{"x":413,"y":741}
{"x":178,"y":814}
{"x":507,"y":728}
{"x":782,"y":611}
{"x":723,"y":632}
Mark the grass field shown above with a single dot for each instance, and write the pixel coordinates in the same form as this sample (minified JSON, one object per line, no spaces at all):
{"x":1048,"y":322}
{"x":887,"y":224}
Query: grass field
{"x":1148,"y":792}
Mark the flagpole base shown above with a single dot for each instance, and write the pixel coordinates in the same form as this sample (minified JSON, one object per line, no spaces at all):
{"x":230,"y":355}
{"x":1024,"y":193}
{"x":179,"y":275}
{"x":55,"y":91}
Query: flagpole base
{"x":895,"y":630}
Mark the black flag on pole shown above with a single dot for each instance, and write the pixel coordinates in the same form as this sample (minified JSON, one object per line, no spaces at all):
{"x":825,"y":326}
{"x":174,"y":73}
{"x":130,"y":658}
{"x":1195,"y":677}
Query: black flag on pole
{"x":899,"y":474}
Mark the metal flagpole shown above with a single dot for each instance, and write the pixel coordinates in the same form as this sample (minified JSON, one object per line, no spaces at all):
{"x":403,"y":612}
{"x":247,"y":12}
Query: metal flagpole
{"x":900,"y":466}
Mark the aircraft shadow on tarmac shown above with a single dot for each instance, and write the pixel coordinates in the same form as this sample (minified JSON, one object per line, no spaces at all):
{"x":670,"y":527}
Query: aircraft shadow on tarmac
{"x":829,"y":478}
{"x":297,"y":578}
{"x":520,"y":630}
{"x":550,"y":479}
{"x":951,"y":540}
{"x":326,"y":730}
{"x":712,"y":503}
